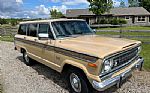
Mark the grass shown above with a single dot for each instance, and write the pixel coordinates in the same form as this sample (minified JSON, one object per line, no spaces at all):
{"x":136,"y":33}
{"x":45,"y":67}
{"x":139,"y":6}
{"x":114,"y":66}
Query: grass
{"x":145,"y":53}
{"x":125,"y":33}
{"x":7,"y":38}
{"x":127,"y":28}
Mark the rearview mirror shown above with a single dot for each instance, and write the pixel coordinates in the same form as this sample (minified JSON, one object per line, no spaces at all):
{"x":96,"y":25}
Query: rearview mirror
{"x":43,"y":36}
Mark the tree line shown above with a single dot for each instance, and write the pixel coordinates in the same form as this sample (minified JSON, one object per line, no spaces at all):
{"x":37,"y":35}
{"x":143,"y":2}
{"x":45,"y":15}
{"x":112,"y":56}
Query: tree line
{"x":11,"y":21}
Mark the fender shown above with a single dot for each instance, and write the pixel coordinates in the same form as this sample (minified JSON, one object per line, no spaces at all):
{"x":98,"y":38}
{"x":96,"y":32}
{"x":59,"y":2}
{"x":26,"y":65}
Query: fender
{"x":80,"y":66}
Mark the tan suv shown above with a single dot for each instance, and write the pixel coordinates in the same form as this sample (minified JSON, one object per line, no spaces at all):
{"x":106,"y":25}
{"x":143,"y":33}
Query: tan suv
{"x":88,"y":61}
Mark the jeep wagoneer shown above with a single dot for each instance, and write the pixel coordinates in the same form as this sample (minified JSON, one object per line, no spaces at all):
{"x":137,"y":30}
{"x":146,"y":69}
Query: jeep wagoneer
{"x":89,"y":62}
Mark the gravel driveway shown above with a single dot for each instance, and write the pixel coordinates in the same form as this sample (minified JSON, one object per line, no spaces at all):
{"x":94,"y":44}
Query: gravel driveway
{"x":19,"y":78}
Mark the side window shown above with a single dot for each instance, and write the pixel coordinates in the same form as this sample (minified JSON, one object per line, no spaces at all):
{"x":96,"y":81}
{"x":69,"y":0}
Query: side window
{"x":32,"y":30}
{"x":22,"y":30}
{"x":45,"y":28}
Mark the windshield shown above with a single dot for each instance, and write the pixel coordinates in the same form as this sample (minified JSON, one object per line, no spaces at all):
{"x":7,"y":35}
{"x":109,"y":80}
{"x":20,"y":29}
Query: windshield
{"x":70,"y":28}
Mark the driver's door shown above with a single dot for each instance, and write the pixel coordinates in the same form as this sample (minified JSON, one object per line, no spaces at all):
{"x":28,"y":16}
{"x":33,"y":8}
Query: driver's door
{"x":47,"y":50}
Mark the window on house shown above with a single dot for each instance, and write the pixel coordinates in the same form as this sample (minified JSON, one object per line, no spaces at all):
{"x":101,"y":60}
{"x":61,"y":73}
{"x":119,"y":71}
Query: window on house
{"x":141,"y":18}
{"x":127,"y":17}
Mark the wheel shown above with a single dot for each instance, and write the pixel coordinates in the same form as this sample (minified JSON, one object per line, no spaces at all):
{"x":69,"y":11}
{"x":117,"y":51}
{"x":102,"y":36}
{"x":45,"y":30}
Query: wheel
{"x":77,"y":82}
{"x":27,"y":60}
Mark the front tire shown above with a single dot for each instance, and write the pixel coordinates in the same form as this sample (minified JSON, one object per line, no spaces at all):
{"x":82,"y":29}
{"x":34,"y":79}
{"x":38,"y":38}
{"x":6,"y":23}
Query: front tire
{"x":27,"y":60}
{"x":77,"y":82}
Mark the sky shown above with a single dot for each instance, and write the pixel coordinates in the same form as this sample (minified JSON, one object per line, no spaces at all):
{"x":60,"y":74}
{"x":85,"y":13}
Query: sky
{"x":40,"y":8}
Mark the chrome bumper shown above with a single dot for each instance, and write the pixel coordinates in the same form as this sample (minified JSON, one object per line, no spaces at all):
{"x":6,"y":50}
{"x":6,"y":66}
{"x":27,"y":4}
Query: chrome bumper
{"x":101,"y":86}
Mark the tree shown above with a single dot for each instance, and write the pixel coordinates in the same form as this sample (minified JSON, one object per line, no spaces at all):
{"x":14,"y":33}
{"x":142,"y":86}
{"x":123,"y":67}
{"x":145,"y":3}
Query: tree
{"x":122,"y":4}
{"x":133,"y":3}
{"x":3,"y":21}
{"x":145,"y":4}
{"x":55,"y":14}
{"x":99,"y":7}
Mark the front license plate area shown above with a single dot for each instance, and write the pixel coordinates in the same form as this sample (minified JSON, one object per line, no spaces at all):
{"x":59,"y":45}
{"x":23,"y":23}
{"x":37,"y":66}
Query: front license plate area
{"x":123,"y":76}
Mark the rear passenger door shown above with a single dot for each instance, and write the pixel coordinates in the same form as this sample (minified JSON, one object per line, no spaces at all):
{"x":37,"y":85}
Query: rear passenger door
{"x":32,"y":40}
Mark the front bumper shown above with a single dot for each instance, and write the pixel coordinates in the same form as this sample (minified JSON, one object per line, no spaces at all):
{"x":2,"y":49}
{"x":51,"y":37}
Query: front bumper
{"x":101,"y":86}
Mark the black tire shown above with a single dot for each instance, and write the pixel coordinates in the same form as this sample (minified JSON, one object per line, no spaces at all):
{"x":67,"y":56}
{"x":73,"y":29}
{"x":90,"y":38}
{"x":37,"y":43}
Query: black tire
{"x":83,"y":80}
{"x":27,"y":60}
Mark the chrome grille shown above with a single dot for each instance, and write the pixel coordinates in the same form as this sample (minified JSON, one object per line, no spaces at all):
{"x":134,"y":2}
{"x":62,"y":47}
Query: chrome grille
{"x":125,"y":57}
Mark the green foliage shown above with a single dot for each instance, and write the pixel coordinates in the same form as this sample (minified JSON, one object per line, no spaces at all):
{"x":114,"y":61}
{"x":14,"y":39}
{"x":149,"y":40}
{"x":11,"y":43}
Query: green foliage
{"x":99,"y":7}
{"x":103,"y":21}
{"x":122,"y":21}
{"x":11,"y":21}
{"x":113,"y":21}
{"x":122,"y":4}
{"x":133,"y":3}
{"x":55,"y":14}
{"x":145,"y":4}
{"x":3,"y":21}
{"x":116,"y":21}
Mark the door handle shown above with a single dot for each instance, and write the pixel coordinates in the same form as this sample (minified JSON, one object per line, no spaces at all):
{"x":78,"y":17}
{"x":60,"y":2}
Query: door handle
{"x":24,"y":37}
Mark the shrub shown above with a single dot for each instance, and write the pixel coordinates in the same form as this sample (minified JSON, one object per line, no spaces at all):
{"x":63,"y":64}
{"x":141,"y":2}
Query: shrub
{"x":114,"y":21}
{"x":122,"y":21}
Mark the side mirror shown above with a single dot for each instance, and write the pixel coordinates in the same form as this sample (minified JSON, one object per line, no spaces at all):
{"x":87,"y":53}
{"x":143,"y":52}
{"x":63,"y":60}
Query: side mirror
{"x":94,"y":30}
{"x":43,"y":36}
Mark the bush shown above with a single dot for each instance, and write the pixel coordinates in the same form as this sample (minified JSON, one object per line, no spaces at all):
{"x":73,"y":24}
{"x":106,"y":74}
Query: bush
{"x":122,"y":21}
{"x":116,"y":21}
{"x":103,"y":21}
{"x":113,"y":21}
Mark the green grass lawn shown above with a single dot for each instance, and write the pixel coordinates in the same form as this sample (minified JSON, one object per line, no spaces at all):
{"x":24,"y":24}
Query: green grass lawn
{"x":125,"y":33}
{"x":7,"y":38}
{"x":127,"y":28}
{"x":145,"y":53}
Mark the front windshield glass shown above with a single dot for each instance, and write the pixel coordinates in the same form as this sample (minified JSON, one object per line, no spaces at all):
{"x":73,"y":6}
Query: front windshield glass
{"x":70,"y":28}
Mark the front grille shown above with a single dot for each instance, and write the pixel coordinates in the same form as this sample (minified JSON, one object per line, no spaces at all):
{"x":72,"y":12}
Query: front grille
{"x":125,"y":57}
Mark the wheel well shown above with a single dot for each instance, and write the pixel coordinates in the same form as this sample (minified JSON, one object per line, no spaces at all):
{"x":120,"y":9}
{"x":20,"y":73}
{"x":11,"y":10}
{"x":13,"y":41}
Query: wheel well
{"x":68,"y":67}
{"x":22,"y":50}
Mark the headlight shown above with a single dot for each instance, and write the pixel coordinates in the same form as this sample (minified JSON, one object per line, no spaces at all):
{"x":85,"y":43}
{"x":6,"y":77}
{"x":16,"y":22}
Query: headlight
{"x":108,"y":64}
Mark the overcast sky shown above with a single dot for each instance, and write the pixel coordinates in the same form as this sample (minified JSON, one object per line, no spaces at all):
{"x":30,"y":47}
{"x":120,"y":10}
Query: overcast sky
{"x":39,"y":8}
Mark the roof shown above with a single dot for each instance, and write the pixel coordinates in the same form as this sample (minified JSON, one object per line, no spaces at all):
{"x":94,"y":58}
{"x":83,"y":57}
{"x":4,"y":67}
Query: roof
{"x":77,"y":12}
{"x":113,"y":11}
{"x":50,"y":20}
{"x":129,"y":11}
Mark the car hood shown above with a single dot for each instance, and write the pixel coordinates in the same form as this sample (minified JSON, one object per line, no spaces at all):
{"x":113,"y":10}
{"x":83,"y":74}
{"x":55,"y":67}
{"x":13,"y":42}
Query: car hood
{"x":95,"y":45}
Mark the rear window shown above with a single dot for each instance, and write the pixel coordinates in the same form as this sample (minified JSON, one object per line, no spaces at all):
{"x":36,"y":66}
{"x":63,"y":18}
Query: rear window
{"x":22,"y":30}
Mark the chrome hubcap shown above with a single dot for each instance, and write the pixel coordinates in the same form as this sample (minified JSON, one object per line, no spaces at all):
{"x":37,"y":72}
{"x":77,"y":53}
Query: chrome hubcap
{"x":26,"y":57}
{"x":75,"y":82}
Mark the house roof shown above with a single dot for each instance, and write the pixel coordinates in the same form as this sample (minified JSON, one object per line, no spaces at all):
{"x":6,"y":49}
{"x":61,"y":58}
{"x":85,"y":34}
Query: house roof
{"x":113,"y":11}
